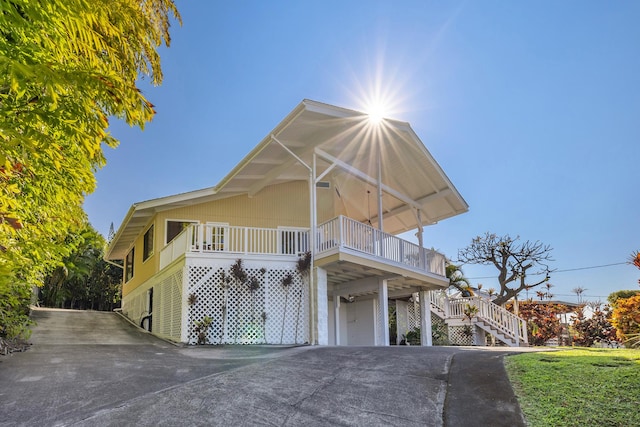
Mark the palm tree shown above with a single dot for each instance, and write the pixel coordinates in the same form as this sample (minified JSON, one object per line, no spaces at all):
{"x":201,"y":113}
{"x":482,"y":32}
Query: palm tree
{"x":457,"y":280}
{"x":578,"y":290}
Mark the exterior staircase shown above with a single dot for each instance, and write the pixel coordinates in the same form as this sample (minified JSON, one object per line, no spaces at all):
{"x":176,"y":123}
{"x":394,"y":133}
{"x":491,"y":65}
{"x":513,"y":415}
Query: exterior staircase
{"x":493,"y":319}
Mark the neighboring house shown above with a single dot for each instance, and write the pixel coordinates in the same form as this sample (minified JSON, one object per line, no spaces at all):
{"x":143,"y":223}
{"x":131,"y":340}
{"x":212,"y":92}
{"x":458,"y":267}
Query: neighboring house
{"x":326,"y":181}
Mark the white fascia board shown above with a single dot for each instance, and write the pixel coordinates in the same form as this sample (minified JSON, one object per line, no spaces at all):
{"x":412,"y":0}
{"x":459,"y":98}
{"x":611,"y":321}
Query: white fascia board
{"x":437,"y":167}
{"x":261,"y":146}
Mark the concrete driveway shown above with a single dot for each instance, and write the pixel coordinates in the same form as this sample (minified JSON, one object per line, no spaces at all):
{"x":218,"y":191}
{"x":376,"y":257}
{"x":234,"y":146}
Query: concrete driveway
{"x":94,"y":368}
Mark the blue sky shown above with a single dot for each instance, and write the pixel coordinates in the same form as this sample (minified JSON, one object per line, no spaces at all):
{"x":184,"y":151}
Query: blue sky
{"x":531,"y":108}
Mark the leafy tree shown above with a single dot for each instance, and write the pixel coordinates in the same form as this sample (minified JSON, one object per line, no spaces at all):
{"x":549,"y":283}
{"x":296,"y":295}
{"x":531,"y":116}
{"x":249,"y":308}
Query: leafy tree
{"x":597,"y":328}
{"x":84,"y":280}
{"x":66,"y":280}
{"x":512,"y":260}
{"x":626,"y":317}
{"x":65,"y":68}
{"x":618,"y":295}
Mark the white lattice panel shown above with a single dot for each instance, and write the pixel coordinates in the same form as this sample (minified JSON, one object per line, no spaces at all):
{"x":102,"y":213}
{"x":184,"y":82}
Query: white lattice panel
{"x":380,"y":323}
{"x":134,"y":305}
{"x":459,"y":335}
{"x":167,"y":308}
{"x":271,"y":314}
{"x":413,"y":318}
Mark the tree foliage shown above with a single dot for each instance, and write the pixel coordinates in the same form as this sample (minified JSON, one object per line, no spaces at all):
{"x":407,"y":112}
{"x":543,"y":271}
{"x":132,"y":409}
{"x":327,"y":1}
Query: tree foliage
{"x":457,"y":280}
{"x":513,"y":260}
{"x":626,"y":317}
{"x":619,"y":295}
{"x":543,"y":321}
{"x":65,"y":68}
{"x":597,"y":328}
{"x":635,"y":260}
{"x":84,"y":280}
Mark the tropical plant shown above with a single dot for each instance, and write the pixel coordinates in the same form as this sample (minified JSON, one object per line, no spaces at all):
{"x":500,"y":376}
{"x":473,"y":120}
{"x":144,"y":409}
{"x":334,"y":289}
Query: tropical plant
{"x":303,"y":267}
{"x":457,"y":280}
{"x":201,"y":329}
{"x":240,"y":278}
{"x":83,"y":280}
{"x":413,"y":336}
{"x":597,"y":328}
{"x":470,"y":311}
{"x":287,"y":280}
{"x":543,"y":321}
{"x":440,"y":333}
{"x":578,"y":290}
{"x":635,"y":260}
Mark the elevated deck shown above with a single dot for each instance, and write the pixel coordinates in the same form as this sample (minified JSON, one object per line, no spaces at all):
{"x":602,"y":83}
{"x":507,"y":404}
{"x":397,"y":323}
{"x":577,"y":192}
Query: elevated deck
{"x":357,"y":247}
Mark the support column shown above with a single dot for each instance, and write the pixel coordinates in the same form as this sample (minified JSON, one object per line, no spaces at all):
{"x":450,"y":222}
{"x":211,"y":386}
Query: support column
{"x":425,"y":320}
{"x":383,"y":301}
{"x":319,"y":313}
{"x":336,"y":318}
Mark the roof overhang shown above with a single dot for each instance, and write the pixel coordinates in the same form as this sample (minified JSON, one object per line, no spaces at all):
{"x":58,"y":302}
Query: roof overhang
{"x":344,"y":144}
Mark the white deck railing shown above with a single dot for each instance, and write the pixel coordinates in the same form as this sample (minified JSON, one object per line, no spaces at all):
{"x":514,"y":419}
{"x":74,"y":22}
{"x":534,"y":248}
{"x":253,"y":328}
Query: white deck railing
{"x":338,"y":233}
{"x":343,"y":232}
{"x":213,"y":238}
{"x":498,"y":317}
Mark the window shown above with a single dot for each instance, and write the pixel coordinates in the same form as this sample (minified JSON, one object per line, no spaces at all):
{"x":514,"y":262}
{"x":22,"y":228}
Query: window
{"x":175,"y":227}
{"x":128,"y":266}
{"x":147,"y":249}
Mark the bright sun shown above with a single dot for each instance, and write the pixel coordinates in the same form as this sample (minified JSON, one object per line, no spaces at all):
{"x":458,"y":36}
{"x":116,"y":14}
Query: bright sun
{"x":376,"y":111}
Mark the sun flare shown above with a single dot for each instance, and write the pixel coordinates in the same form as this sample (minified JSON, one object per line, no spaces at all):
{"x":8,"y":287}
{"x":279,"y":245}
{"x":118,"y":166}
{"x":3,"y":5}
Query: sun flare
{"x":377,"y":111}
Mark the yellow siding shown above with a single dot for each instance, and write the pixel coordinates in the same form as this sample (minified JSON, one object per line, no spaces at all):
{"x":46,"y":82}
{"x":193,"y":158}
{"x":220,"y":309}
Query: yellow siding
{"x":283,"y":205}
{"x":144,"y":270}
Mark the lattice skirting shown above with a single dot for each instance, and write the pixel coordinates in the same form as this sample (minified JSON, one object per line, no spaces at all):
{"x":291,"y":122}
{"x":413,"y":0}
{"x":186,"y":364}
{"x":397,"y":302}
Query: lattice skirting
{"x":167,"y":304}
{"x":459,"y":335}
{"x":270,"y":313}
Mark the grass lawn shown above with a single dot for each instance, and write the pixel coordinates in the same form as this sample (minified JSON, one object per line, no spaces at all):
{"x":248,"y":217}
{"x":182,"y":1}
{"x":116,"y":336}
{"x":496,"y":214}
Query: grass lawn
{"x":578,"y":387}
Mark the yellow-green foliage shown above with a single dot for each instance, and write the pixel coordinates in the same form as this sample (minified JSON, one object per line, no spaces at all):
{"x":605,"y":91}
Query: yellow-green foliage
{"x":65,"y":67}
{"x":626,"y":317}
{"x":578,"y":387}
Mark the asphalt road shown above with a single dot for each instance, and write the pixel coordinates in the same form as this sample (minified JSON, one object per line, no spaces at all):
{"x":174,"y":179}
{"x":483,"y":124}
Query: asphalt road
{"x":95,"y":369}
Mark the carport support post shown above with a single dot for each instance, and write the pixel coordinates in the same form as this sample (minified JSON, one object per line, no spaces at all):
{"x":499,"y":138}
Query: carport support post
{"x":425,"y":320}
{"x":336,"y":318}
{"x":383,"y":301}
{"x":319,"y":312}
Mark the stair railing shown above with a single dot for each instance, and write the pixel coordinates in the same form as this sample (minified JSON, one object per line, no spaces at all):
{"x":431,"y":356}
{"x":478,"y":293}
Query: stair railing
{"x":498,"y":317}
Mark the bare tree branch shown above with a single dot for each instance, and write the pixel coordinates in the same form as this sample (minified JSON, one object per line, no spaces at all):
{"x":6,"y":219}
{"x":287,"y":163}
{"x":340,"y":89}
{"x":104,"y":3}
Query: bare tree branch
{"x":512,"y":259}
